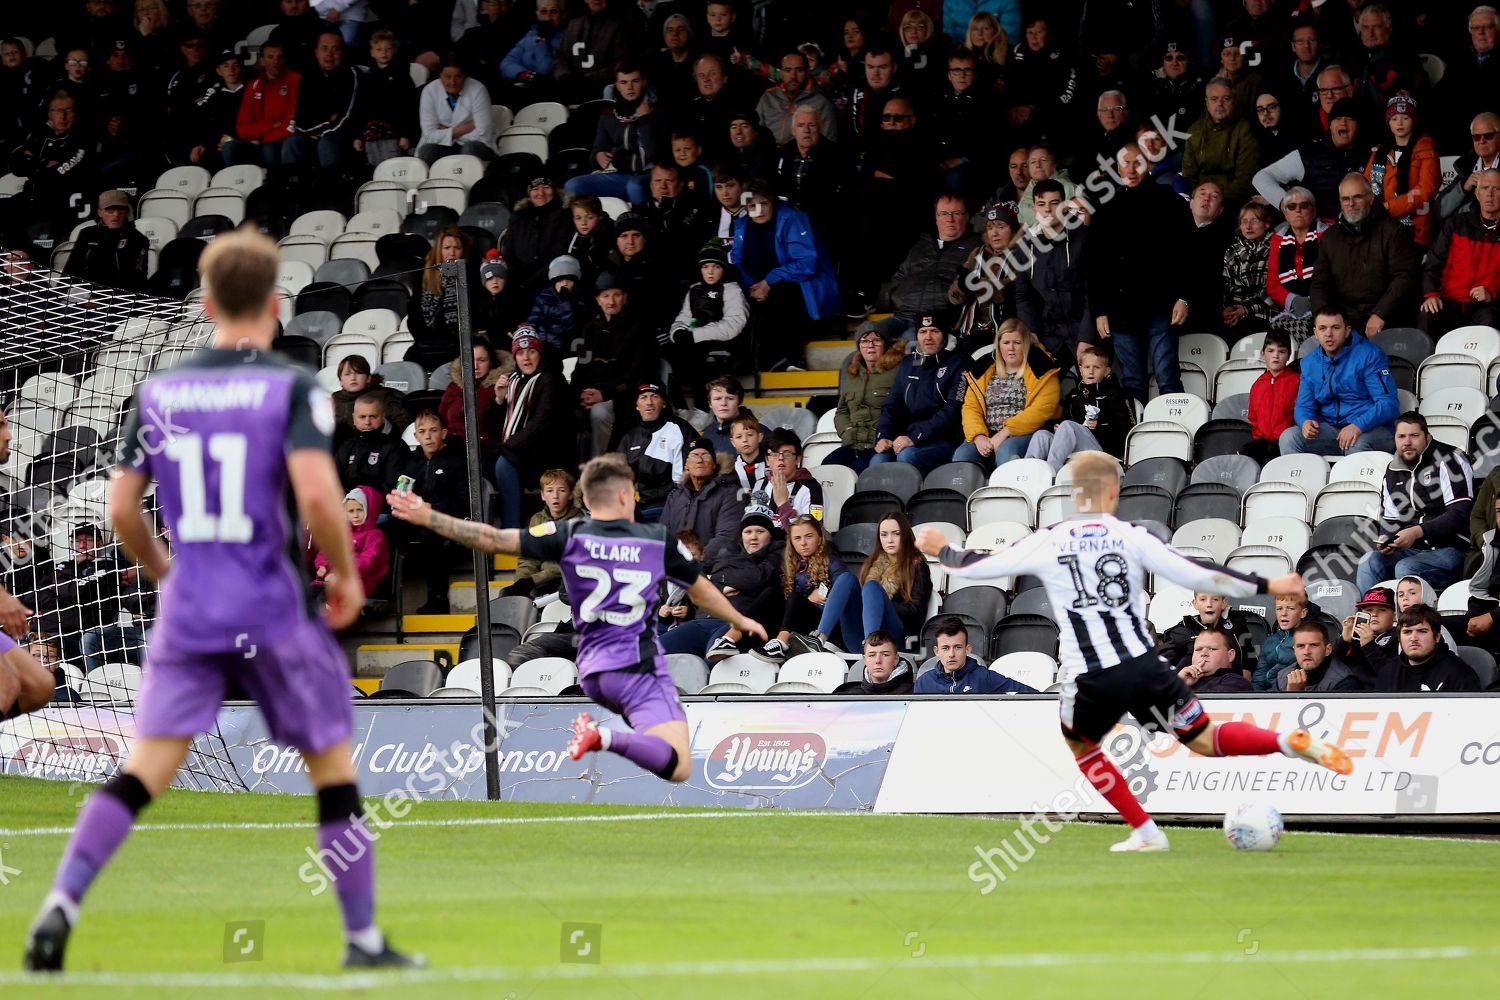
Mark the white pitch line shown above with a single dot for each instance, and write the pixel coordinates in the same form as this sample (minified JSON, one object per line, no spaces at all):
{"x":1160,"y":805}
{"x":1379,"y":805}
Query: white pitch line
{"x":314,"y":982}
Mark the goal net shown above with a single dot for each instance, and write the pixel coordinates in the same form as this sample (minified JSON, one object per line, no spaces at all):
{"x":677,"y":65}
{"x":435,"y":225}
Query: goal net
{"x":71,"y":355}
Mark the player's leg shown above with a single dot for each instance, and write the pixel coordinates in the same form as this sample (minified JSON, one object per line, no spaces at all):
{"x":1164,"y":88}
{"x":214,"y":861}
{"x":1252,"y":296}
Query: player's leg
{"x":346,"y":851}
{"x":647,"y":699}
{"x":1242,"y":739}
{"x":103,"y":824}
{"x":1090,"y":706}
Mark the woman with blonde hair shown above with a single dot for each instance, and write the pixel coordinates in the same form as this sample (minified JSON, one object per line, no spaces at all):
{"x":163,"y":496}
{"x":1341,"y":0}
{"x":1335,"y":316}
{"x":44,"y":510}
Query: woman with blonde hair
{"x":809,"y":570}
{"x":923,"y":52}
{"x":432,"y":316}
{"x":990,"y":45}
{"x":1008,"y":398}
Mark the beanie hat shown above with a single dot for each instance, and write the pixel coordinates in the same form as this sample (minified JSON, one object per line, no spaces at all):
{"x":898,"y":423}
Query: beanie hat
{"x":493,"y":267}
{"x":564,"y":266}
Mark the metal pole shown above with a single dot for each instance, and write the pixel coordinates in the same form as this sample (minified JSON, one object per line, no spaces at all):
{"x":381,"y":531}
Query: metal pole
{"x":456,"y":276}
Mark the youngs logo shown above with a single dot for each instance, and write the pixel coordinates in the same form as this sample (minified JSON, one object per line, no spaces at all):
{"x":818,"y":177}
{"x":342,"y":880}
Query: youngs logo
{"x":63,"y":754}
{"x":1088,"y":531}
{"x":766,"y":761}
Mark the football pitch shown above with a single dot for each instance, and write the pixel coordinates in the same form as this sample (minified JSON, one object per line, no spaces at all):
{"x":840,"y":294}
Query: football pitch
{"x":527,"y":901}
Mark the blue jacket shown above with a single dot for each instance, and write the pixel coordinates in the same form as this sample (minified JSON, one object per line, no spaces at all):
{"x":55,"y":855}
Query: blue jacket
{"x":532,"y":52}
{"x":802,"y":260}
{"x":1352,"y":387}
{"x":557,"y":318}
{"x":973,"y":678}
{"x":926,"y":400}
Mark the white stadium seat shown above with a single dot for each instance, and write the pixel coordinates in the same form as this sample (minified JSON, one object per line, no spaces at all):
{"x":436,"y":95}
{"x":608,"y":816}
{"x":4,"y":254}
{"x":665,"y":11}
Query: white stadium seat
{"x":545,"y":115}
{"x":1482,"y":342}
{"x":1310,"y":472}
{"x":376,"y":221}
{"x":324,"y":223}
{"x":751,"y":671}
{"x":408,"y":171}
{"x":1215,"y":535}
{"x":824,"y":671}
{"x":190,"y":181}
{"x":1179,"y":408}
{"x":159,"y":231}
{"x":293,"y":275}
{"x":310,"y":250}
{"x":1450,"y":430}
{"x":550,"y":673}
{"x":1289,"y":534}
{"x":523,"y":139}
{"x":461,"y":167}
{"x":1361,"y":467}
{"x":228,"y":202}
{"x":1236,"y":375}
{"x":388,"y":196}
{"x":1461,"y":402}
{"x":1158,"y":439}
{"x":1349,"y":496}
{"x":243,"y":178}
{"x":446,"y":191}
{"x":1445,"y":370}
{"x":1260,"y":560}
{"x":838,"y":482}
{"x":167,"y":203}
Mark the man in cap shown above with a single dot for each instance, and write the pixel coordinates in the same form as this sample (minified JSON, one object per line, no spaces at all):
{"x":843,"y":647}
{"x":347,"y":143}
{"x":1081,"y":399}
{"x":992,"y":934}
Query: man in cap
{"x":656,"y":449}
{"x":1369,"y":642}
{"x":1175,"y":89}
{"x":112,"y":253}
{"x":920,"y":419}
{"x":540,"y":230}
{"x":617,"y":356}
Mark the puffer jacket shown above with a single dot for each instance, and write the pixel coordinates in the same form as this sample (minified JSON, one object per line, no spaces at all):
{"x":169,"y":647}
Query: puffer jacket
{"x":926,"y":400}
{"x":1040,"y":373}
{"x":750,"y":574}
{"x":972,"y":678}
{"x":1411,"y":203}
{"x":862,"y":394}
{"x":900,"y":682}
{"x":1352,"y":387}
{"x":372,"y":554}
{"x":1465,"y":256}
{"x":451,"y":406}
{"x":1372,"y":267}
{"x":534,"y":237}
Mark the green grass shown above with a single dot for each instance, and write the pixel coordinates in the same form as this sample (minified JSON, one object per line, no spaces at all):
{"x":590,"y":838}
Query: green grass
{"x":807,"y":905}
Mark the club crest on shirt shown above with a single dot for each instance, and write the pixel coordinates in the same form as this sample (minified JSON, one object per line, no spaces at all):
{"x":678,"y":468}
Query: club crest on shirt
{"x":544,"y":529}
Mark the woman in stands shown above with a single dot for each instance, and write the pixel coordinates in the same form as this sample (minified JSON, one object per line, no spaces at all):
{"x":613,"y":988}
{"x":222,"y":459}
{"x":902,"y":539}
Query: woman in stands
{"x":1247,"y":307}
{"x":984,"y":302}
{"x":356,"y":379}
{"x":1009,"y":398}
{"x":432,"y":317}
{"x":490,"y":370}
{"x":890,"y":593}
{"x":809,"y":570}
{"x":864,"y":384}
{"x":1293,"y":254}
{"x":987,"y":40}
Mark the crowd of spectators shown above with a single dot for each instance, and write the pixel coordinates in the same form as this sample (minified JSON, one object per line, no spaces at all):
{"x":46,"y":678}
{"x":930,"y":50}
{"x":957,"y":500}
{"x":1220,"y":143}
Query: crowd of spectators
{"x":1019,"y":207}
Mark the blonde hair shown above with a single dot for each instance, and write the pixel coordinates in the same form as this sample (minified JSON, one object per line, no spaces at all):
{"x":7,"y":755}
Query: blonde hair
{"x":1094,"y":474}
{"x":996,"y":51}
{"x":1028,"y":337}
{"x":915,"y":16}
{"x":817,"y":563}
{"x":239,"y":274}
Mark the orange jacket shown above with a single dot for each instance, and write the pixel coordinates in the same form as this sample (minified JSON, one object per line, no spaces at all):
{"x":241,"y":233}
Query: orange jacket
{"x":1414,"y":205}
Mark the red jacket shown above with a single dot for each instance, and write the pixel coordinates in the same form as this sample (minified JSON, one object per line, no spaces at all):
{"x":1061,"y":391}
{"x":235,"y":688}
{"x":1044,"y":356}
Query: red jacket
{"x":266,"y":109}
{"x":1465,"y":256}
{"x":1272,"y":402}
{"x":1289,"y":268}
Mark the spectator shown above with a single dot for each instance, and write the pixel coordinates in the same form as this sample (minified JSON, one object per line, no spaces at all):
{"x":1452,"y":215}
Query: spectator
{"x":372,"y":554}
{"x":1484,"y":137}
{"x":748,"y":574}
{"x":641,"y":266}
{"x":1222,"y":147}
{"x":796,"y":90}
{"x":1369,"y":641}
{"x":58,"y":164}
{"x":898,"y":167}
{"x":539,"y":231}
{"x":1426,"y":663}
{"x":1040,"y":79}
{"x":725,"y":402}
{"x":656,"y":449}
{"x":810,"y":173}
{"x":1273,"y":398}
{"x":534,"y":577}
{"x":921,"y":418}
{"x":1007,"y":397}
{"x":348,"y":16}
{"x":1413,"y":590}
{"x":85,"y":594}
{"x":1174,"y":89}
{"x":864,"y":384}
{"x":498,"y":306}
{"x":1277,"y":651}
{"x":629,"y":139}
{"x":593,"y":43}
{"x":809,"y":569}
{"x":988,"y":40}
{"x":920,"y":285}
{"x":868,"y":97}
{"x":1296,"y":85}
{"x":123,"y":639}
{"x":1292,"y":259}
{"x":1235,"y":68}
{"x":724,"y":36}
{"x":441,"y":478}
{"x":696,"y":175}
{"x":482,"y":45}
{"x":592,"y":239}
{"x":1097,"y":415}
{"x":1041,"y":165}
{"x":1051,"y":286}
{"x":187,"y":89}
{"x":1404,"y":171}
{"x":355,"y":380}
{"x":264,"y":120}
{"x":750,"y":152}
{"x":1383,"y":67}
{"x":1209,"y":240}
{"x":1247,"y":307}
{"x":530,"y":63}
{"x":890,"y":593}
{"x":677,"y":224}
{"x":455,"y":117}
{"x":1215,"y":667}
{"x":712,"y":318}
{"x":1469,"y":81}
{"x":373,"y":456}
{"x":1018,"y":175}
{"x":672,"y":68}
{"x":1212,"y":612}
{"x":297,"y":30}
{"x":1461,"y":277}
{"x":1484,"y":587}
{"x":212,"y":126}
{"x":1346,"y":399}
{"x":984,"y":290}
{"x":534,"y":412}
{"x":1320,"y":165}
{"x":432,"y":315}
{"x":490,"y":372}
{"x":789,"y":278}
{"x":966,"y":142}
{"x":885,"y":672}
{"x":1137,"y":298}
{"x":558,"y":314}
{"x":1114,"y":128}
{"x":616,"y":356}
{"x":923,"y":52}
{"x":1368,"y":267}
{"x":112,"y":253}
{"x":785,"y":486}
{"x":957,"y":672}
{"x":325,"y":124}
{"x":707,"y":114}
{"x":705,"y":501}
{"x":1273,"y":131}
{"x":1425,"y":501}
{"x":1316,"y":668}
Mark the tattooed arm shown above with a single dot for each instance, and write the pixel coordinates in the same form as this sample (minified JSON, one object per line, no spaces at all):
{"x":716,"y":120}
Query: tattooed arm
{"x":471,"y":534}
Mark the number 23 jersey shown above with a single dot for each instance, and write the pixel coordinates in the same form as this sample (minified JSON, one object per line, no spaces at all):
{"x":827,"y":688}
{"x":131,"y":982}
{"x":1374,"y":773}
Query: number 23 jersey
{"x":613,"y":571}
{"x":215,"y":432}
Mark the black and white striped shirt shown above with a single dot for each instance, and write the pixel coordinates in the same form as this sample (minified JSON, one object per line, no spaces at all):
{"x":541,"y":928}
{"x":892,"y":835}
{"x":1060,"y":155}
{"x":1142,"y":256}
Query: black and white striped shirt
{"x":1094,"y":570}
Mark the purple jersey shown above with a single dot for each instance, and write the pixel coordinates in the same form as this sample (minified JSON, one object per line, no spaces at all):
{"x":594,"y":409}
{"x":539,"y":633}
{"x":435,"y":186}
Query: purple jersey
{"x":215,"y":433}
{"x":613,"y":571}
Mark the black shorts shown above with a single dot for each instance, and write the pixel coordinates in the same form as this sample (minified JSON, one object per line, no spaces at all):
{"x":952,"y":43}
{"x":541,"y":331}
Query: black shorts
{"x":1146,"y":687}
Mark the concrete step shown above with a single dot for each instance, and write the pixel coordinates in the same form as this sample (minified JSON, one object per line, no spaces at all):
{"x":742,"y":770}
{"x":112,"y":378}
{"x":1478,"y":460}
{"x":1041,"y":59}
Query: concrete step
{"x":374,"y":659}
{"x":462,"y":594}
{"x":828,"y":355}
{"x":826,"y":379}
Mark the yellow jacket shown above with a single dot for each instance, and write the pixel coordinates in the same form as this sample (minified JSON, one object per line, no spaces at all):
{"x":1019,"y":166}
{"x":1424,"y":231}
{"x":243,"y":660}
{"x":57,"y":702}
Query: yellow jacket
{"x":1039,"y":373}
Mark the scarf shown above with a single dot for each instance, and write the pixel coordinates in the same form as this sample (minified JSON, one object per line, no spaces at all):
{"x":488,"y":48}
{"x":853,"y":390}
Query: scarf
{"x":517,"y":403}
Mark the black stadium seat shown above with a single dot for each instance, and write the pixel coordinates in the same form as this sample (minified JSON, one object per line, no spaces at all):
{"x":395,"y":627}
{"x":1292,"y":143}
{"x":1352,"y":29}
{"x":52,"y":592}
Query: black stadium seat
{"x":868,"y":506}
{"x":986,"y":605}
{"x":412,"y":679}
{"x":1024,"y":634}
{"x":1221,"y":437}
{"x":1199,"y":500}
{"x":1144,"y":503}
{"x":318,"y":326}
{"x":491,"y":216}
{"x":938,"y":504}
{"x":205,"y":227}
{"x":404,"y":250}
{"x":325,"y":296}
{"x":897,"y":478}
{"x":382,"y":293}
{"x":963,"y":477}
{"x":302,"y":350}
{"x":1168,"y":474}
{"x":855,"y":540}
{"x":426,"y":224}
{"x":181,"y":253}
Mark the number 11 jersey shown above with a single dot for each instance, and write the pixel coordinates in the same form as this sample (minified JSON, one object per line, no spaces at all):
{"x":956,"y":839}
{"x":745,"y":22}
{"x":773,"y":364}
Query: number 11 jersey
{"x":215,"y":432}
{"x":613,"y":571}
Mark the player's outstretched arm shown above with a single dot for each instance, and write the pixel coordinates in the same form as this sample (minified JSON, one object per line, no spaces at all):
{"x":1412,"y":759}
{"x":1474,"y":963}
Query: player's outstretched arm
{"x":320,"y":501}
{"x":471,"y":534}
{"x":140,"y":543}
{"x":711,"y":599}
{"x":1014,"y":560}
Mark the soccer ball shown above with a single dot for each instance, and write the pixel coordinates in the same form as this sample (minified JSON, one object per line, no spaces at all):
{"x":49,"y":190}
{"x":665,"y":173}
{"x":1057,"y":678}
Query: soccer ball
{"x":1252,"y":826}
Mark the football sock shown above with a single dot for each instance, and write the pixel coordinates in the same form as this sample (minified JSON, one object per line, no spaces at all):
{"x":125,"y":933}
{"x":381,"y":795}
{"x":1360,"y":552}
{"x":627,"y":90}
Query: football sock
{"x":348,"y":852}
{"x":1241,"y":739}
{"x":650,"y":753}
{"x":103,"y":824}
{"x":1110,"y":783}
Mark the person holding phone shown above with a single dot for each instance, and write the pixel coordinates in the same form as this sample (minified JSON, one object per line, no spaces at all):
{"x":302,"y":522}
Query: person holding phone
{"x":1369,"y":639}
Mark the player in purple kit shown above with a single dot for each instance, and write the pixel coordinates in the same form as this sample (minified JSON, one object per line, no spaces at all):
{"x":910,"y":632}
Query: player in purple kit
{"x":25,"y":685}
{"x":224,"y":434}
{"x":613,"y":569}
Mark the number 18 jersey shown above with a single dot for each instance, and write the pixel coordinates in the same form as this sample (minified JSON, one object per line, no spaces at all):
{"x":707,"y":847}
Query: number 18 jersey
{"x":215,"y":432}
{"x":613,"y":571}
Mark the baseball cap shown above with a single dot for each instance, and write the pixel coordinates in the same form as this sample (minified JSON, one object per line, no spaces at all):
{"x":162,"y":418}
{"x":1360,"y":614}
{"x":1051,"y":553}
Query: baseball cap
{"x":114,"y":199}
{"x":1377,"y":597}
{"x":646,"y":387}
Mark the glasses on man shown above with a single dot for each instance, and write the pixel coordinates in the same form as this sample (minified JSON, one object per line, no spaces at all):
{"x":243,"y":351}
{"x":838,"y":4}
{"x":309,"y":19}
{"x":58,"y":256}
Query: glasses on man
{"x":1482,"y":136}
{"x":952,"y":215}
{"x":962,"y":70}
{"x":1345,"y":91}
{"x":1299,"y":206}
{"x":77,"y":62}
{"x":1112,"y":107}
{"x":1265,"y":109}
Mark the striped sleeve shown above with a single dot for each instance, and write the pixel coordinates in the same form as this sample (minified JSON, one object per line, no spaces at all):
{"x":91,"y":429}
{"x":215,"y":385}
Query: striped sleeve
{"x":1165,"y":561}
{"x":1030,"y":555}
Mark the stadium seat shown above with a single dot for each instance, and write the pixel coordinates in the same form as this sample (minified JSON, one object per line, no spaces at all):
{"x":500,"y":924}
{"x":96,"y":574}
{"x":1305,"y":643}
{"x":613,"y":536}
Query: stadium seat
{"x":818,"y":447}
{"x":1261,"y":560}
{"x":1362,"y":467}
{"x":1024,"y":633}
{"x":490,"y":216}
{"x":412,"y":679}
{"x":523,"y":139}
{"x":614,"y":207}
{"x":1209,"y":499}
{"x":1195,"y":381}
{"x":158,"y":231}
{"x":1037,"y":670}
{"x":344,"y":345}
{"x":1461,"y":402}
{"x":228,"y":202}
{"x":689,"y":672}
{"x":856,"y":541}
{"x":377,"y":222}
{"x":1156,"y":439}
{"x":244,"y":179}
{"x":799,"y":420}
{"x":347,"y":272}
{"x":466,"y":675}
{"x":377,"y":324}
{"x":1215,"y":535}
{"x":1144,"y":503}
{"x":310,"y":250}
{"x":1169,"y":605}
{"x":1405,"y":342}
{"x":517,"y":612}
{"x":1346,"y":497}
{"x":896,"y":478}
{"x":1247,"y":348}
{"x":755,"y":674}
{"x":325,"y":296}
{"x":1482,"y":342}
{"x":1167,"y":474}
{"x":1179,"y":408}
{"x":827,"y":421}
{"x":440,"y":378}
{"x":545,"y":115}
{"x":1054,"y":505}
{"x":319,"y":326}
{"x":441,"y":192}
{"x":183,"y":254}
{"x":839,"y":483}
{"x":1221,"y":438}
{"x":52,"y":390}
{"x":1309,"y":472}
{"x":552,"y":674}
{"x":1445,"y":370}
{"x":824,"y":671}
{"x":306,"y":352}
{"x":408,"y":171}
{"x":1449,"y":430}
{"x":1033,"y":602}
{"x":1336,"y":598}
{"x":1236,"y":376}
{"x":382,"y":293}
{"x":394,"y":349}
{"x":111,"y":682}
{"x":11,"y":185}
{"x":323,"y":223}
{"x":403,"y":376}
{"x":383,"y":196}
{"x":1029,"y":476}
{"x":982,"y":602}
{"x":117,"y":384}
{"x":1481,"y":662}
{"x":293,"y":275}
{"x":978,"y":637}
{"x":461,"y":167}
{"x":1206,"y":350}
{"x":962,"y":477}
{"x":567,"y":162}
{"x":355,"y":246}
{"x":1275,"y":499}
{"x":501,"y":118}
{"x":992,"y":504}
{"x":204,"y":227}
{"x":1403,"y":373}
{"x":1237,"y":471}
{"x":938,"y":504}
{"x":190,"y":180}
{"x":1236,"y":407}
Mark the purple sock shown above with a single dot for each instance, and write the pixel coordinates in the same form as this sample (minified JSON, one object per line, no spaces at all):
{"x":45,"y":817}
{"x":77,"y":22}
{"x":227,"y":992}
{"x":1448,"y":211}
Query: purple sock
{"x":652,"y":753}
{"x":103,"y":825}
{"x":348,"y":853}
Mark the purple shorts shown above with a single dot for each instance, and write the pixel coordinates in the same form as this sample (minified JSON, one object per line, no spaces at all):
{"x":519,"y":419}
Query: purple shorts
{"x":643,"y":695}
{"x":299,"y":679}
{"x":6,"y":644}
